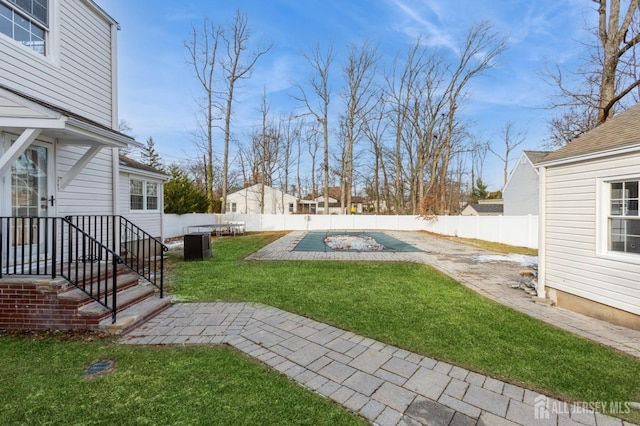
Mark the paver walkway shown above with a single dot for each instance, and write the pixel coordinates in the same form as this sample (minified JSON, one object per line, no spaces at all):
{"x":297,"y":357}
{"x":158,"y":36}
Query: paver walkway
{"x":384,"y":384}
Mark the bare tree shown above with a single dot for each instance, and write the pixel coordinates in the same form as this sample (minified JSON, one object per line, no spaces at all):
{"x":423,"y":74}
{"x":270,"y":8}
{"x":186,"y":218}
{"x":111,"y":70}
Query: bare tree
{"x":607,"y":75}
{"x":374,"y":128}
{"x":203,"y":49}
{"x":481,"y":48}
{"x":235,"y":68}
{"x":313,"y":145}
{"x":478,"y":152}
{"x":319,"y":82}
{"x":616,"y":41}
{"x":572,"y":122}
{"x":359,"y":74}
{"x":400,"y":87}
{"x":511,"y":139}
{"x":291,"y":130}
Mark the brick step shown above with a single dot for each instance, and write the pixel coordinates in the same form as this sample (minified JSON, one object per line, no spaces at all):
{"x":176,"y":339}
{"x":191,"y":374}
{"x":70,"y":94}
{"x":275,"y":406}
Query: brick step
{"x":75,"y":295}
{"x":135,"y":315}
{"x":124,"y":299}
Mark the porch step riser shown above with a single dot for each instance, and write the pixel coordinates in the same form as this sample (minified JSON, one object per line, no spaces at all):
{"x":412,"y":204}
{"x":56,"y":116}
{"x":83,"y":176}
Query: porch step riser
{"x":98,"y":289}
{"x":124,"y":300}
{"x":44,"y":304}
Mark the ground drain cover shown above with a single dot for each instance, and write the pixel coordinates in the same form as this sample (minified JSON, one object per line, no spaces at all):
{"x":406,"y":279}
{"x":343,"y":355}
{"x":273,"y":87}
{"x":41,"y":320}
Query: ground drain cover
{"x":100,"y":368}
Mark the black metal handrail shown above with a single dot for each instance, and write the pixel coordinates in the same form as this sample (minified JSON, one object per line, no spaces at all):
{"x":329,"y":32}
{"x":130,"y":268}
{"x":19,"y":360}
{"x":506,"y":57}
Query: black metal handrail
{"x":144,"y":253}
{"x":57,"y":247}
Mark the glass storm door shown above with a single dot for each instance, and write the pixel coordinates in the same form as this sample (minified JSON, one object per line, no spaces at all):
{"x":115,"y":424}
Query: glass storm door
{"x":29,"y":201}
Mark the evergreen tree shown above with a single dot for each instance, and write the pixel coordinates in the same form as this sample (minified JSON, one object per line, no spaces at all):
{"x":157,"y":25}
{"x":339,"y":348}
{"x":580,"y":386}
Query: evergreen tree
{"x":479,"y":191}
{"x":181,"y":195}
{"x":150,"y":156}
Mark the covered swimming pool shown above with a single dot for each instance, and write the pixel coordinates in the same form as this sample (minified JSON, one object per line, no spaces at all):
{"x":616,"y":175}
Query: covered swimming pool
{"x":352,"y":241}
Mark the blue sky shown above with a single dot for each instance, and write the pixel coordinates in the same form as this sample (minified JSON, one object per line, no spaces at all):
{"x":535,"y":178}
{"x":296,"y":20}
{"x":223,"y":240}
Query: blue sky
{"x":157,"y":89}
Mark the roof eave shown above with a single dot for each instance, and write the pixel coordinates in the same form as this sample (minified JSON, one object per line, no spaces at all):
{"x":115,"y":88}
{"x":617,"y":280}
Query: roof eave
{"x":590,"y":156}
{"x":145,"y":173}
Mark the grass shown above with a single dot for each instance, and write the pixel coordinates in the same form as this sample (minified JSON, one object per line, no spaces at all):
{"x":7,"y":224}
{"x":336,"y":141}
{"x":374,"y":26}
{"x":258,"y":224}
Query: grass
{"x":417,"y":308}
{"x":42,"y":382}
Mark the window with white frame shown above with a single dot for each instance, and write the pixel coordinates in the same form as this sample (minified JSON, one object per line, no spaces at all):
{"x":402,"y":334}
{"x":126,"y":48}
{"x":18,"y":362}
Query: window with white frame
{"x":624,"y":221}
{"x":290,"y":207}
{"x":143,"y":195}
{"x":231,"y":207}
{"x":26,"y":21}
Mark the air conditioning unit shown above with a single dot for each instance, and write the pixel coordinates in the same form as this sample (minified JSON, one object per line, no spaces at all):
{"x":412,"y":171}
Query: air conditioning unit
{"x":197,"y":246}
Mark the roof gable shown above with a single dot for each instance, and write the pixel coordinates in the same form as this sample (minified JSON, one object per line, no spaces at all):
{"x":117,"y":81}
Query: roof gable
{"x":531,"y":157}
{"x":621,"y":131}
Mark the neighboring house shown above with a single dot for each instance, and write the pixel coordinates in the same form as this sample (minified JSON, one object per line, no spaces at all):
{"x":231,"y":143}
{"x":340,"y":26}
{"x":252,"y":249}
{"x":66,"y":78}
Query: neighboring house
{"x":589,"y":249}
{"x":60,"y":183}
{"x":358,"y":204}
{"x":142,"y":195}
{"x":484,"y":208}
{"x":250,"y":201}
{"x":520,"y":194}
{"x":334,"y":205}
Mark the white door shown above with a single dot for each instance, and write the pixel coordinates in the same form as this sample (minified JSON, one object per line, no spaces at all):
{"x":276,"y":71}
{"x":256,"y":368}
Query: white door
{"x":30,"y":200}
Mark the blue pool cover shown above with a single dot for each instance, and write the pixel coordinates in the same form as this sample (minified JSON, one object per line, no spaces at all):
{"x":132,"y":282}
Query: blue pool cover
{"x":314,"y":241}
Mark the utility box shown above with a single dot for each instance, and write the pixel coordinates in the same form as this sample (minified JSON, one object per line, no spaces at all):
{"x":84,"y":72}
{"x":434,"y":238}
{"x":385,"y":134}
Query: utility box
{"x":197,"y":246}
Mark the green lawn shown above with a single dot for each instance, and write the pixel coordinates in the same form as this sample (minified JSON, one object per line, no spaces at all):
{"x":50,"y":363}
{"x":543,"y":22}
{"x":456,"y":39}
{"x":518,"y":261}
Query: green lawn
{"x":417,"y":308}
{"x":42,"y":382}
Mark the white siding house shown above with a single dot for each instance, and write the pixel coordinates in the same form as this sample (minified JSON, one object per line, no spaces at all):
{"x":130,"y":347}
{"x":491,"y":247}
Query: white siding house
{"x":590,"y":224}
{"x":142,"y":195}
{"x":250,"y":200}
{"x":520,"y":194}
{"x":58,"y":110}
{"x":60,"y":177}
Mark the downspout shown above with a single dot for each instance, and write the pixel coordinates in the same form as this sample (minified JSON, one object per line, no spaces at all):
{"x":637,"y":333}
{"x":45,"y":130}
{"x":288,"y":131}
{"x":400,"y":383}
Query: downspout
{"x":115,"y":157}
{"x":542,"y":222}
{"x":115,"y":161}
{"x":161,"y":204}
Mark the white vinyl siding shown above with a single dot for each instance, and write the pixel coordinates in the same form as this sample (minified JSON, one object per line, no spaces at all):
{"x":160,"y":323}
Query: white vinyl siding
{"x":521,"y":192}
{"x":247,"y":201}
{"x":76,"y":74}
{"x":90,"y":192}
{"x":577,"y":259}
{"x":149,"y":221}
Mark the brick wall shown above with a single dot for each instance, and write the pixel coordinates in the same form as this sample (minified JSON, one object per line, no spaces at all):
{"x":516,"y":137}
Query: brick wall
{"x":33,"y":304}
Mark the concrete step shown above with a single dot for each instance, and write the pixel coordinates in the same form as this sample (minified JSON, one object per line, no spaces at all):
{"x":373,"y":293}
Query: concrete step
{"x":124,"y":281}
{"x":124,"y":299}
{"x":134,"y":315}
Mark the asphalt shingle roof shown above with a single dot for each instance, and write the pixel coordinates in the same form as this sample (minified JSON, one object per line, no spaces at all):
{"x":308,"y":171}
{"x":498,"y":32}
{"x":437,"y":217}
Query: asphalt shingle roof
{"x":618,"y":132}
{"x":536,"y":156}
{"x":488,"y":208}
{"x":128,"y":162}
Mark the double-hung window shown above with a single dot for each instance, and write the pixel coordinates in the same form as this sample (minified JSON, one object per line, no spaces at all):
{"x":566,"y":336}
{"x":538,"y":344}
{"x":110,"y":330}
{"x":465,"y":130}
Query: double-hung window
{"x":26,"y":21}
{"x":143,"y":195}
{"x":624,"y":221}
{"x":152,"y":195}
